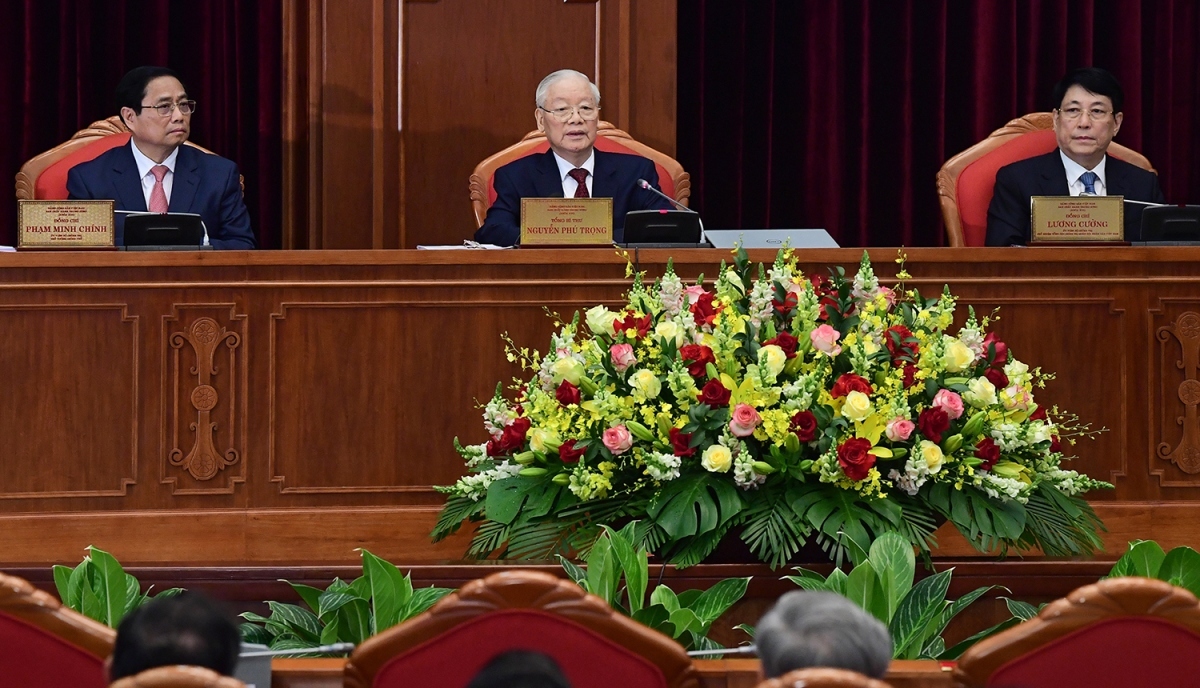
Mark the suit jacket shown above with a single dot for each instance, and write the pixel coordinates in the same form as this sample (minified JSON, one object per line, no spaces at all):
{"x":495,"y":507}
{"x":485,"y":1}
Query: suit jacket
{"x":536,"y":176}
{"x":203,"y":184}
{"x":1044,"y":175}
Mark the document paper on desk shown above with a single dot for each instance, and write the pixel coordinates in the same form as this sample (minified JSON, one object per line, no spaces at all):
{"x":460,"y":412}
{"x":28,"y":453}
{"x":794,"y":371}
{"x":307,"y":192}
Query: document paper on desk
{"x":467,"y":245}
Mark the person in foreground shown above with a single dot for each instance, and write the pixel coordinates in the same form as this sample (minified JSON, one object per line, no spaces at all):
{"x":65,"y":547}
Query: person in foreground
{"x":809,"y":628}
{"x":156,"y":172}
{"x":520,"y":669}
{"x":568,"y":112}
{"x":186,"y":629}
{"x":1087,"y":115}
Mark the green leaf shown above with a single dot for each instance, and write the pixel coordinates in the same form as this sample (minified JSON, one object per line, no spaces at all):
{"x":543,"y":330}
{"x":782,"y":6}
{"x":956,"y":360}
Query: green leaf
{"x":133,"y":594}
{"x":694,"y":504}
{"x":655,"y":616}
{"x":956,"y":651}
{"x":1021,"y":610}
{"x":633,"y":564}
{"x":1181,"y":567}
{"x":298,"y":620}
{"x":1144,"y":558}
{"x":915,"y":612}
{"x":457,"y":510}
{"x":747,"y":629}
{"x":603,"y":571}
{"x":62,"y":577}
{"x":892,"y":558}
{"x":422,"y":600}
{"x":836,"y":582}
{"x":91,"y":606}
{"x":253,"y":633}
{"x":330,"y":634}
{"x":112,"y":590}
{"x":505,"y":498}
{"x":308,"y":593}
{"x":715,"y":601}
{"x":864,"y":588}
{"x":685,"y":620}
{"x":666,"y":597}
{"x":354,"y":621}
{"x":294,"y":644}
{"x":390,"y":590}
{"x":576,"y":573}
{"x":332,"y":601}
{"x":169,"y":592}
{"x":949,"y":611}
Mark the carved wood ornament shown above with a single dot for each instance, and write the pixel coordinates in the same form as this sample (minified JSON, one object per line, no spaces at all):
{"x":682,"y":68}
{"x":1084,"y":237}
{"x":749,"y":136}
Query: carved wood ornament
{"x":1186,"y":454}
{"x":205,"y":336}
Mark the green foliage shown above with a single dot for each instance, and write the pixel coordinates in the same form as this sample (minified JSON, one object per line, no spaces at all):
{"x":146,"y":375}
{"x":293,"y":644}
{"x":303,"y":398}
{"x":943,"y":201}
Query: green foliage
{"x":344,"y":612}
{"x":1180,"y":566}
{"x":100,"y":589}
{"x":687,"y":616}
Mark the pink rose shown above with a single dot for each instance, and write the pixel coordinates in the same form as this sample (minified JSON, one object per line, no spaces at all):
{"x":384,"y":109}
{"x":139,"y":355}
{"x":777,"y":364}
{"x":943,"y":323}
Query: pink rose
{"x":899,"y":429}
{"x":744,"y":420}
{"x":950,"y":402}
{"x":617,"y":439}
{"x":824,"y":339}
{"x":693,"y":293}
{"x":622,"y":356}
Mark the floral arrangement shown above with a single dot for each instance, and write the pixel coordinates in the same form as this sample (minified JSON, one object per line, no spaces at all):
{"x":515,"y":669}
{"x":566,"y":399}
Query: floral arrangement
{"x":777,"y":407}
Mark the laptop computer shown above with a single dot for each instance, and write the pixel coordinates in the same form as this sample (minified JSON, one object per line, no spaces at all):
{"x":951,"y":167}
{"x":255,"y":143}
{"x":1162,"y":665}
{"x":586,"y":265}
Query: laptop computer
{"x":770,"y":238}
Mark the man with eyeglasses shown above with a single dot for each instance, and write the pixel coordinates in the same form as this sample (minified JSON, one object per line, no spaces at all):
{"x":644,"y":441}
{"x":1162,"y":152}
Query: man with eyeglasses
{"x":156,"y":172}
{"x":568,"y":112}
{"x":1087,"y":117}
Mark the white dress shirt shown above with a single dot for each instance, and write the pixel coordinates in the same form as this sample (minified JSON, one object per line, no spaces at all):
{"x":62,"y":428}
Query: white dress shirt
{"x":568,"y":182}
{"x":144,"y":165}
{"x":1075,"y":171}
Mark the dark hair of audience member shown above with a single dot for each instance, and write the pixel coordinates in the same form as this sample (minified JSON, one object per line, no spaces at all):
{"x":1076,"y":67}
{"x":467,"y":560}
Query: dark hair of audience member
{"x":809,"y":628}
{"x":520,"y":669}
{"x":1093,"y":80}
{"x":186,"y":629}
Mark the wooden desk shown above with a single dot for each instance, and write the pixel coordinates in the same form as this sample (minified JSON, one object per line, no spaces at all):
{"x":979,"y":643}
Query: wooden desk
{"x":284,"y":408}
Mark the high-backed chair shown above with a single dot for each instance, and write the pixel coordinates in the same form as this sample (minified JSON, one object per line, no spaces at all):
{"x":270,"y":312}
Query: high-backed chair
{"x":671,"y":178}
{"x":178,"y":677}
{"x":520,"y":610}
{"x":45,"y":645}
{"x":1118,"y":632}
{"x":965,"y":182}
{"x":45,"y":176}
{"x":823,"y":678}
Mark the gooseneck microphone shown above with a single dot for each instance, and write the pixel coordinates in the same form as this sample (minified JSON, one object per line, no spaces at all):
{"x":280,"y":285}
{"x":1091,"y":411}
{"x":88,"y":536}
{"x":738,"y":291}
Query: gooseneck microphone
{"x":646,"y":185}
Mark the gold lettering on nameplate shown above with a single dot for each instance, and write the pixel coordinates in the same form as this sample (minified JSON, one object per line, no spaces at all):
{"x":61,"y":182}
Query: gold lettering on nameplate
{"x":1186,"y":454}
{"x":205,"y":336}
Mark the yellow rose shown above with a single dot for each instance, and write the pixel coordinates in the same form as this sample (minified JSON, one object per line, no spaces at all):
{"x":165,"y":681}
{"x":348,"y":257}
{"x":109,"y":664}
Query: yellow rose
{"x":568,"y":369}
{"x":857,"y":406}
{"x":646,"y":382}
{"x":773,"y":358}
{"x":958,"y":356}
{"x":717,"y":459}
{"x":981,"y":393}
{"x":542,"y":440}
{"x":931,"y":454}
{"x":669,"y":331}
{"x":600,"y":320}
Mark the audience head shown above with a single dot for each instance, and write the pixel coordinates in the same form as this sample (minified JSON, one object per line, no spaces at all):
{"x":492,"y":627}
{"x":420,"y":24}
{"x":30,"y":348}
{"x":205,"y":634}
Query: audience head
{"x":1087,"y":114}
{"x":186,"y":629}
{"x":142,"y":92}
{"x":809,"y":628}
{"x":520,"y":669}
{"x":568,"y":112}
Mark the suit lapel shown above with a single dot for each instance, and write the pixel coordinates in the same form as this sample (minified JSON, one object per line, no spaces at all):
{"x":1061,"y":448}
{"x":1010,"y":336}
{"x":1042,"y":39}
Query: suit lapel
{"x":127,"y":182}
{"x":604,"y":185}
{"x":187,"y":177}
{"x":547,"y":182}
{"x":1115,"y":178}
{"x":1054,"y":176}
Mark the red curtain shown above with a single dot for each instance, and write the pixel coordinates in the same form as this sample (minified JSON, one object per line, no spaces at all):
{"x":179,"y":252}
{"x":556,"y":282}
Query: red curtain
{"x":810,"y":113}
{"x":60,"y":61}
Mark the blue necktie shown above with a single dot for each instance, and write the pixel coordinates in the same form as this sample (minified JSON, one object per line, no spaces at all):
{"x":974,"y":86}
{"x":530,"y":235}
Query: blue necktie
{"x":1089,"y":181}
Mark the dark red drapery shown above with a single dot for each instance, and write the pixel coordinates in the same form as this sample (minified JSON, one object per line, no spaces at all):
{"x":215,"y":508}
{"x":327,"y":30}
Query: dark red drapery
{"x":811,"y":113}
{"x":61,"y":59}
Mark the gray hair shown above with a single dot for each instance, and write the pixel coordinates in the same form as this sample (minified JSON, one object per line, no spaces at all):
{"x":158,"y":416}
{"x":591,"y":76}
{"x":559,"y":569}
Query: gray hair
{"x":539,"y":96}
{"x":810,"y":628}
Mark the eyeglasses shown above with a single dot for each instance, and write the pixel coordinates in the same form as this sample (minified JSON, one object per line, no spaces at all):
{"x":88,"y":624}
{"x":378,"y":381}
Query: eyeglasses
{"x":1095,"y":114}
{"x":563,"y":114}
{"x":186,"y":107}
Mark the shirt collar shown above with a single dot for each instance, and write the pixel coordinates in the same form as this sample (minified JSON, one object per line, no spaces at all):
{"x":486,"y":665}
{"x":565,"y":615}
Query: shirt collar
{"x":144,"y":163}
{"x":564,"y":167}
{"x":1075,"y":170}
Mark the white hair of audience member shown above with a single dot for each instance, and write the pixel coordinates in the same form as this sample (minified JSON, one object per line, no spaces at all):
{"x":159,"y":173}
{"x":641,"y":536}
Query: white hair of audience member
{"x":810,"y":628}
{"x":539,"y":96}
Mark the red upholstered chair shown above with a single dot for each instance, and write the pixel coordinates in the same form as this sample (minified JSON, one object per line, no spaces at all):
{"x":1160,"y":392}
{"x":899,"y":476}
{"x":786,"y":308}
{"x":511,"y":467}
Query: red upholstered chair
{"x":1117,"y":633}
{"x":965,"y":182}
{"x":823,"y":678}
{"x":178,"y":677}
{"x":45,"y":645}
{"x":45,"y":177}
{"x":674,"y":181}
{"x":520,"y":610}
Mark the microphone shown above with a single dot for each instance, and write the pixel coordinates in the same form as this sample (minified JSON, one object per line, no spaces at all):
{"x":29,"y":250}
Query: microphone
{"x":646,"y":185}
{"x":335,"y":648}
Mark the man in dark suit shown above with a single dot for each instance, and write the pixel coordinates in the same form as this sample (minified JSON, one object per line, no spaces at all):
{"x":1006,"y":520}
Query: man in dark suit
{"x":1087,"y":117}
{"x":156,"y":172}
{"x":568,"y":112}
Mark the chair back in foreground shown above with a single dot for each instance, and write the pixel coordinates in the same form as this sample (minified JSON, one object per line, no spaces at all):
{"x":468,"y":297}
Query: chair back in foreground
{"x":43,"y":644}
{"x":178,"y":676}
{"x":596,"y":646}
{"x":821,"y":677}
{"x":965,"y":182}
{"x":671,"y":178}
{"x":1119,"y":632}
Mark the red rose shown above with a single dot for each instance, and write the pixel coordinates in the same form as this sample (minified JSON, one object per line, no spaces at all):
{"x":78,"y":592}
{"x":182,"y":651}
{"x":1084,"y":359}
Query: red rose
{"x":933,"y":422}
{"x":680,"y":442}
{"x":1039,"y":414}
{"x":910,"y":375}
{"x":567,"y":394}
{"x":700,"y":356}
{"x":511,"y":438}
{"x":988,"y":451}
{"x":854,"y":458}
{"x":847,"y":383}
{"x":804,"y":424}
{"x":785,"y":341}
{"x":632,"y":322}
{"x":787,"y":304}
{"x":703,"y":311}
{"x":569,"y":453}
{"x":901,"y":345}
{"x":1000,"y":350}
{"x":714,"y":394}
{"x":996,"y":377}
{"x":1055,"y":444}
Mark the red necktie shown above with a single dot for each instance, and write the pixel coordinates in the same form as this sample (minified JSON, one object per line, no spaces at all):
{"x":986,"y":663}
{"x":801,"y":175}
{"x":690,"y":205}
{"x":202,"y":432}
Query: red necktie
{"x":158,"y":195}
{"x":580,"y":175}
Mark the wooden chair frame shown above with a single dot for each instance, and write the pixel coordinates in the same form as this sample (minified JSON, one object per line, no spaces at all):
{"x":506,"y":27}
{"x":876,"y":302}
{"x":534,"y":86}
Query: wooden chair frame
{"x":823,"y":677}
{"x":1114,"y":597}
{"x":178,"y":676}
{"x":478,"y":183}
{"x":21,"y":600}
{"x":947,"y":177}
{"x":521,"y":590}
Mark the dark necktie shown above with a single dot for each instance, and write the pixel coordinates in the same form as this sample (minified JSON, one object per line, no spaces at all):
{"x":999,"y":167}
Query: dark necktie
{"x":580,"y":175}
{"x":1089,"y":182}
